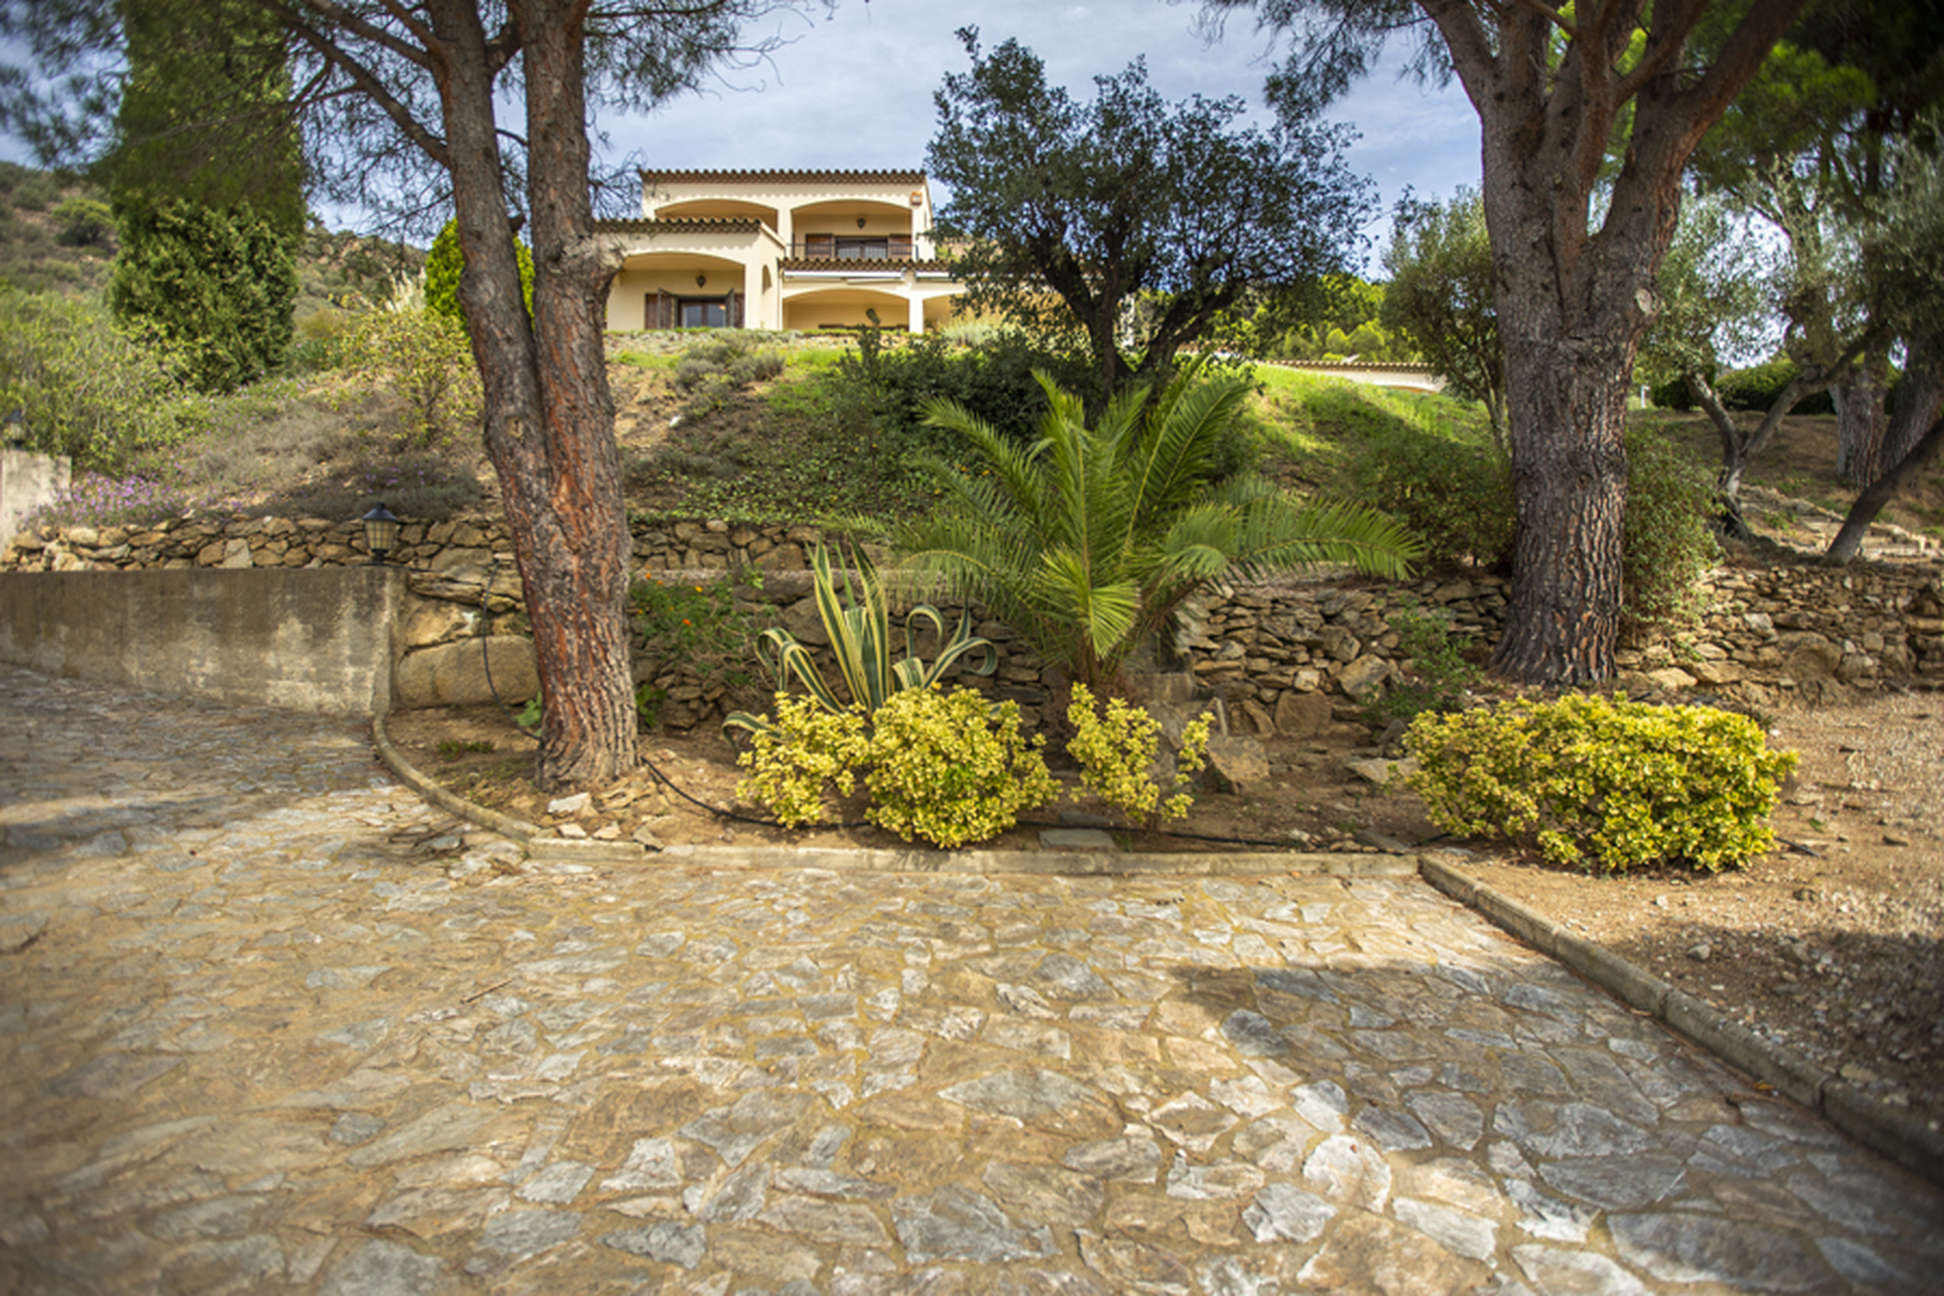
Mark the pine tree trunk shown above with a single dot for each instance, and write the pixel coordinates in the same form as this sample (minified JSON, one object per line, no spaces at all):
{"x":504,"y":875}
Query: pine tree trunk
{"x":549,"y":416}
{"x":1568,"y":408}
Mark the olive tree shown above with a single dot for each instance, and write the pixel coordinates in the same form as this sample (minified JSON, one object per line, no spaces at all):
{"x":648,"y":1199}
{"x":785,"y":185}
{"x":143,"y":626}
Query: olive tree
{"x":1075,"y":211}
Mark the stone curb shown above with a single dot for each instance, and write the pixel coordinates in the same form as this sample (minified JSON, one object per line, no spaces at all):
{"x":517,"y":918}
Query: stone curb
{"x":542,"y":845}
{"x":1876,"y":1125}
{"x":1055,"y":863}
{"x":423,"y":784}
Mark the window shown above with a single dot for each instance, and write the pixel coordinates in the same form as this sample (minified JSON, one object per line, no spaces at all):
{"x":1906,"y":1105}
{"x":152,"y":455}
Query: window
{"x":702,"y":312}
{"x":863,"y":249}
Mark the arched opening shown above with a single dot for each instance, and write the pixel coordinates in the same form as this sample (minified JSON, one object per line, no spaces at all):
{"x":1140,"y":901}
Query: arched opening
{"x":716,"y":209}
{"x":675,"y":289}
{"x":844,"y":308}
{"x":851,"y":229}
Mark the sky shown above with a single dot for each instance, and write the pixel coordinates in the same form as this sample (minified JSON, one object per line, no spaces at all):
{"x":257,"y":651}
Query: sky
{"x":854,"y":90}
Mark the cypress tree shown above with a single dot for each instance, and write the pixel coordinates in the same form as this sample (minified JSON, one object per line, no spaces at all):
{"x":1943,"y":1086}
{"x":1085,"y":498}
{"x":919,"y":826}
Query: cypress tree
{"x":206,"y":184}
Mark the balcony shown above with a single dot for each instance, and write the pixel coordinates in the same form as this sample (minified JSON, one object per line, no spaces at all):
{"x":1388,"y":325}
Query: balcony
{"x":852,"y":247}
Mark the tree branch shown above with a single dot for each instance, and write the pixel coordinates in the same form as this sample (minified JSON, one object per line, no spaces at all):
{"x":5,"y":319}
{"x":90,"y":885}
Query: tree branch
{"x":367,"y":82}
{"x":1471,"y":52}
{"x":1753,"y":38}
{"x":340,"y":16}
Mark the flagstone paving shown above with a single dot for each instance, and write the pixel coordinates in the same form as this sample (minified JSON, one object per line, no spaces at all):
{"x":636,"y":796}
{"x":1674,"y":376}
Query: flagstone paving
{"x":268,"y":1023}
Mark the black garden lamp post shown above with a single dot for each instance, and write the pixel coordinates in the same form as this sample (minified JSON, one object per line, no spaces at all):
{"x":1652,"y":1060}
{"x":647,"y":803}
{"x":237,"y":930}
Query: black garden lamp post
{"x":381,"y":533}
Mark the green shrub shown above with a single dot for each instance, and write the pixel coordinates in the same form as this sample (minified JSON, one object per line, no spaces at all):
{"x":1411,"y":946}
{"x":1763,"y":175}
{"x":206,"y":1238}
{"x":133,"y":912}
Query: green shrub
{"x":217,"y":285}
{"x":1599,"y":783}
{"x":727,"y":362}
{"x":1116,"y":754}
{"x":799,"y":754}
{"x":991,"y":375}
{"x":1667,"y":542}
{"x":1438,"y":676}
{"x":85,"y":388}
{"x":1757,"y":387}
{"x":1454,"y":494}
{"x":950,"y":769}
{"x":32,"y":190}
{"x":443,"y":264}
{"x":696,"y":627}
{"x":84,"y":222}
{"x":943,"y":768}
{"x":424,"y":359}
{"x":1677,"y":393}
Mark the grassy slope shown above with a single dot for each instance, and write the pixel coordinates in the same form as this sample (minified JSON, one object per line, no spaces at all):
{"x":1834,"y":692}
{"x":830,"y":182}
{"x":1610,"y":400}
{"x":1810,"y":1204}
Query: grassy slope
{"x":796,"y":446}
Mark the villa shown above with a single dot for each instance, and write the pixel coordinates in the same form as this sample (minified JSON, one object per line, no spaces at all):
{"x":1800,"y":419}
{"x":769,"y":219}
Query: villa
{"x":780,"y":250}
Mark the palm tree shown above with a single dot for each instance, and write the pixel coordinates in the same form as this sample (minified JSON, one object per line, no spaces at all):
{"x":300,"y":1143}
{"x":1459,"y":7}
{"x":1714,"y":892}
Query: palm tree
{"x":1088,"y":541}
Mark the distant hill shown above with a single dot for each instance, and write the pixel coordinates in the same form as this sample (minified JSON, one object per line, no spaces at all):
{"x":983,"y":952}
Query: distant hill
{"x":56,"y":236}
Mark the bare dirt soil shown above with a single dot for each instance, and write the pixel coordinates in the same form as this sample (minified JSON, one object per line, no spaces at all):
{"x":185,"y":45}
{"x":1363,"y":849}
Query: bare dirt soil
{"x":1833,"y":944}
{"x":1799,"y":464}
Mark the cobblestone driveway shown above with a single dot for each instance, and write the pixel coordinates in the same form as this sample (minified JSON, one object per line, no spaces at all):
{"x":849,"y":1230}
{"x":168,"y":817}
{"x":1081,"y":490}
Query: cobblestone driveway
{"x":267,"y":1023}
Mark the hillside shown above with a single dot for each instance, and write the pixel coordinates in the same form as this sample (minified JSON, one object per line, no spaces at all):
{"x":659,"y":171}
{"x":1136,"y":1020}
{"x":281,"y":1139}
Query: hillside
{"x":750,"y":425}
{"x":53,"y":238}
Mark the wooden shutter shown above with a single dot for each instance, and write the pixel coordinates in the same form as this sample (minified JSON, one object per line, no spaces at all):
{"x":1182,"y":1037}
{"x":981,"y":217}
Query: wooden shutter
{"x":735,"y":310}
{"x":899,"y":247}
{"x":820,"y":245}
{"x":661,"y":310}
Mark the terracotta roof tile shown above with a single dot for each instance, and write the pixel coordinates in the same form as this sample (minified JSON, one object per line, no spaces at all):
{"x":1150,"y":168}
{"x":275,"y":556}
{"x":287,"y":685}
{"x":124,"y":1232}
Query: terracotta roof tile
{"x":929,"y":266}
{"x":684,"y":225}
{"x":783,"y":176}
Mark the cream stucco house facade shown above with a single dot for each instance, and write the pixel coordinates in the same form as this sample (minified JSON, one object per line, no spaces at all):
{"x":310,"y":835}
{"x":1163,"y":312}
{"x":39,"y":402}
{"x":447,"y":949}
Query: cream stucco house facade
{"x":779,"y":250}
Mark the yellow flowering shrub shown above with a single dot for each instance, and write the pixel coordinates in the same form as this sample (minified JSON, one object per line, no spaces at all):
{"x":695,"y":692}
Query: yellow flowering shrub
{"x":793,"y":761}
{"x":1116,"y":757}
{"x":950,"y":768}
{"x":1603,"y":783}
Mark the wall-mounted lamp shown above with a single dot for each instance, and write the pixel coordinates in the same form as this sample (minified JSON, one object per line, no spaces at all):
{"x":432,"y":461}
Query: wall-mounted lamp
{"x":381,"y":533}
{"x":860,"y":222}
{"x":701,"y":281}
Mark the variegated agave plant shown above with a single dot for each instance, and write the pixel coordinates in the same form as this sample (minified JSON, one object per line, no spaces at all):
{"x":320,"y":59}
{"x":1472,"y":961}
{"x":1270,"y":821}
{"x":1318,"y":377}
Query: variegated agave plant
{"x":856,"y":615}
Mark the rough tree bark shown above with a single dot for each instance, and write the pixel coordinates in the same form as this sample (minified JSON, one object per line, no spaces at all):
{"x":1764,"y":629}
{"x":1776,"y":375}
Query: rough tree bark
{"x":1919,"y":399}
{"x":1574,"y":301}
{"x":549,"y":416}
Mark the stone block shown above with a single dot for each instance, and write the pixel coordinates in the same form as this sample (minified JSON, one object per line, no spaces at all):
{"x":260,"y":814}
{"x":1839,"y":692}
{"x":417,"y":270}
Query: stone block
{"x":454,"y":674}
{"x":1364,"y":676}
{"x":1238,"y":764}
{"x":434,"y":621}
{"x":1301,"y":715}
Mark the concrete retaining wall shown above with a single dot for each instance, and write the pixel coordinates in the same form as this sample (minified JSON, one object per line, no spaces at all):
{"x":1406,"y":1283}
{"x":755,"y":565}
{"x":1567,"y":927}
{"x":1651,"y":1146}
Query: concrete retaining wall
{"x":318,"y":640}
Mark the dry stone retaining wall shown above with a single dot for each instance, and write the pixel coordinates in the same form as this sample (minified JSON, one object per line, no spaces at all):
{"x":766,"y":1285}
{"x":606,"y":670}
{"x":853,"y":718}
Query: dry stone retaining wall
{"x":1286,"y":655}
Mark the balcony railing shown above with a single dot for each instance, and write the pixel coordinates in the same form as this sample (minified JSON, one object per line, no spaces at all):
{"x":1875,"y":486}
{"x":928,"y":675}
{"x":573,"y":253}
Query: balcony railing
{"x":846,"y":247}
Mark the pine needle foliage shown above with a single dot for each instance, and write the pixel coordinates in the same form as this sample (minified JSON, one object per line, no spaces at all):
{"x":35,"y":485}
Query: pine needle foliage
{"x":1088,"y":540}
